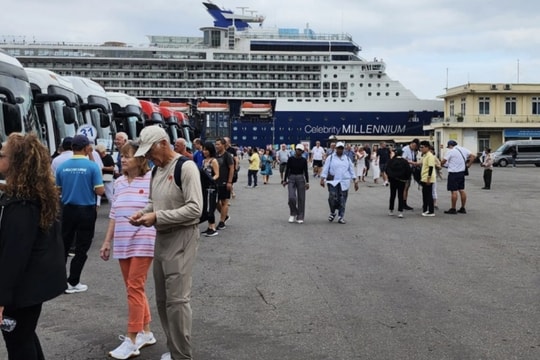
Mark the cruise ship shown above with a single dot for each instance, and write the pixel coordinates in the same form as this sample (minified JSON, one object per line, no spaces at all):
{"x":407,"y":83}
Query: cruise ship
{"x":257,"y":85}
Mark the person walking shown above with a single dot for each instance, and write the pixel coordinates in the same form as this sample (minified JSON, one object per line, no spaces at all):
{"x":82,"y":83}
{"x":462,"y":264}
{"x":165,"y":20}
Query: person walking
{"x":457,"y":160}
{"x":399,"y":172}
{"x":360,"y":157}
{"x":266,"y":171}
{"x":297,"y":179}
{"x":254,"y":166}
{"x":487,"y":164}
{"x":32,"y":267}
{"x":282,"y":157}
{"x":428,"y":179}
{"x":80,"y":181}
{"x":316,"y":158}
{"x":224,"y":181}
{"x":175,"y":213}
{"x":211,"y":167}
{"x":120,"y":139}
{"x":133,"y":247}
{"x":337,"y":174}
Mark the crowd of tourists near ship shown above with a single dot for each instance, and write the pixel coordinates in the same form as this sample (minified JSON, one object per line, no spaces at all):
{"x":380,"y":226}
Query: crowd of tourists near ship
{"x":160,"y":194}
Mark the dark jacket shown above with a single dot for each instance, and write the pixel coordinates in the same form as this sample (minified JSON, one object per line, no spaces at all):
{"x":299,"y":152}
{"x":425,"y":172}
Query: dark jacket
{"x":32,"y":263}
{"x":398,"y":168}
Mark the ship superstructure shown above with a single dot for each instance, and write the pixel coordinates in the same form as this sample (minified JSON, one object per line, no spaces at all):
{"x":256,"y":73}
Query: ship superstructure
{"x":279,"y":85}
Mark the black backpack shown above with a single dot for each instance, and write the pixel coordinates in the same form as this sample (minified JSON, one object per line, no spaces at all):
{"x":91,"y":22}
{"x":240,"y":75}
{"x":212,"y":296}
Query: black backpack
{"x":208,"y":184}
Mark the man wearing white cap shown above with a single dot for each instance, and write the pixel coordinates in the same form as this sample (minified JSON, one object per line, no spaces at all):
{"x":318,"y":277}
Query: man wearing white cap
{"x":174,"y":211}
{"x":338,"y":172}
{"x":297,"y":178}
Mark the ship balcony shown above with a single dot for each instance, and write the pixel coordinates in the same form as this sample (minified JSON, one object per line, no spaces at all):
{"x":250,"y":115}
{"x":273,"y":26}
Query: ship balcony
{"x":483,"y":120}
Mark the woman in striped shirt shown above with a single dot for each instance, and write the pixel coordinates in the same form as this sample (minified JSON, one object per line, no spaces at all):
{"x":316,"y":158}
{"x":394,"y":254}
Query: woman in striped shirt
{"x":133,"y":247}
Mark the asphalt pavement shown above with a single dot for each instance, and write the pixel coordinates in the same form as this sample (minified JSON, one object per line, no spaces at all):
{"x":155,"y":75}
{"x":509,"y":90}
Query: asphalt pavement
{"x":377,"y":288}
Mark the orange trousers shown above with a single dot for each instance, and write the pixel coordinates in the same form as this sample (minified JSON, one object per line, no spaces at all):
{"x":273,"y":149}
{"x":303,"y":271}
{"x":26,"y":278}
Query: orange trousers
{"x":135,"y":271}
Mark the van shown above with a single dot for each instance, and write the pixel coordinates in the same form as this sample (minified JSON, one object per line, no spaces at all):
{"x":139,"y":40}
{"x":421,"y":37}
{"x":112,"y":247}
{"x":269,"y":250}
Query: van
{"x":528,"y":152}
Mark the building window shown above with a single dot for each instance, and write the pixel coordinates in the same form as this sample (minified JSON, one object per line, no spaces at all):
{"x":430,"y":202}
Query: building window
{"x":483,"y":105}
{"x":510,"y":105}
{"x":536,"y":105}
{"x":463,"y":106}
{"x":451,"y":108}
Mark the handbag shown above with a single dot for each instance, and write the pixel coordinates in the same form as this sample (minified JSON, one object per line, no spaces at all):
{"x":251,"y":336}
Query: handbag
{"x":466,"y":172}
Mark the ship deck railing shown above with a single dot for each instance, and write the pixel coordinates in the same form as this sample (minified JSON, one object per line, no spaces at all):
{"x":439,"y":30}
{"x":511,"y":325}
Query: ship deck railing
{"x":486,"y":119}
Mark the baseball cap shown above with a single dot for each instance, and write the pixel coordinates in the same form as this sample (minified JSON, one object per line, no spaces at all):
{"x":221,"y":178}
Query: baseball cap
{"x":66,"y":143}
{"x":340,"y":144}
{"x":148,"y":137}
{"x":299,"y":147}
{"x":451,"y":143}
{"x":80,"y":142}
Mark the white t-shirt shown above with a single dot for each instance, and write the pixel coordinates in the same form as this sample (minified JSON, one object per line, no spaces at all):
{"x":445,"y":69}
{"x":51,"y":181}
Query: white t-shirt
{"x":317,"y":153}
{"x":455,"y":160}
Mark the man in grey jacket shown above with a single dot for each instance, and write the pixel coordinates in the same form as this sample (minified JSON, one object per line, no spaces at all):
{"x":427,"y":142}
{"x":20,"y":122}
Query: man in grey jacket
{"x":174,"y":211}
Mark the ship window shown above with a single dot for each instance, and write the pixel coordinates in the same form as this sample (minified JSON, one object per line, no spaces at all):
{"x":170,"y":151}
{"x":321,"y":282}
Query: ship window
{"x":352,"y":76}
{"x":397,"y":94}
{"x":335,"y":76}
{"x":352,"y":84}
{"x":378,"y":85}
{"x":325,"y":75}
{"x":352,"y":93}
{"x":369,"y":85}
{"x":387,"y":93}
{"x":378,"y":94}
{"x":387,"y":85}
{"x":361,"y":85}
{"x":369,"y":93}
{"x":362,"y":76}
{"x":343,"y":67}
{"x":335,"y":67}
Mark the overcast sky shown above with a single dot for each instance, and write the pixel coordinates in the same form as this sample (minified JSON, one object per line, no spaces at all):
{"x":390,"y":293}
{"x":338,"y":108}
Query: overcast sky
{"x":426,"y":44}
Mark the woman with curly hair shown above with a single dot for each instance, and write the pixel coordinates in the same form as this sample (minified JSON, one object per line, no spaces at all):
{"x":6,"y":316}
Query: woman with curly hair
{"x":32,"y":264}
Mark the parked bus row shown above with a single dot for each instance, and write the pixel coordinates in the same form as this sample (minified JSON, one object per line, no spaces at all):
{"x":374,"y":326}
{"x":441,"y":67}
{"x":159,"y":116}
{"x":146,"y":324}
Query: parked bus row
{"x":55,"y":106}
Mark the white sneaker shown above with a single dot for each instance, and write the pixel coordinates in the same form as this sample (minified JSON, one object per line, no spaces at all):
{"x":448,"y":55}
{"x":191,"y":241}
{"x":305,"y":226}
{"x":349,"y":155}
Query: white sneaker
{"x":391,"y":213}
{"x":300,"y":221}
{"x":291,"y":218}
{"x":400,"y":215}
{"x":166,"y":356}
{"x":76,"y":289}
{"x":126,"y":349}
{"x":144,"y":339}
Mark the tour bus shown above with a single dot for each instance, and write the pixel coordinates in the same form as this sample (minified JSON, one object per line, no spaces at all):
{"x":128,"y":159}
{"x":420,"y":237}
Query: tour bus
{"x":96,"y":111}
{"x":56,"y":104}
{"x":127,"y":113}
{"x":527,"y":152}
{"x":152,"y":114}
{"x":174,"y":122}
{"x":17,"y":111}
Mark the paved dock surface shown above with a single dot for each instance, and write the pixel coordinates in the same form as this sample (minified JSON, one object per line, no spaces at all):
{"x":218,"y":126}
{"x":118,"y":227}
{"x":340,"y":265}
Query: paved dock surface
{"x":377,"y":288}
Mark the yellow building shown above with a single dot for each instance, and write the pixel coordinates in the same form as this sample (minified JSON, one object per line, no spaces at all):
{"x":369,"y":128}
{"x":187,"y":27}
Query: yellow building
{"x":486,"y":115}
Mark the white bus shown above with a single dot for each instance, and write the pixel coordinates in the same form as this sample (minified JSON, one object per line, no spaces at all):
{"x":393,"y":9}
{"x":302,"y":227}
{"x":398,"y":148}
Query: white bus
{"x":56,"y":104}
{"x":17,"y":111}
{"x":127,"y":113}
{"x":96,"y":111}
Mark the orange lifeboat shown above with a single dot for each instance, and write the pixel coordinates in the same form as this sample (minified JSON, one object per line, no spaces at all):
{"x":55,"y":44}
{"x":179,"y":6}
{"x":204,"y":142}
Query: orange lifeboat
{"x":180,"y":106}
{"x":205,"y":106}
{"x":250,"y":108}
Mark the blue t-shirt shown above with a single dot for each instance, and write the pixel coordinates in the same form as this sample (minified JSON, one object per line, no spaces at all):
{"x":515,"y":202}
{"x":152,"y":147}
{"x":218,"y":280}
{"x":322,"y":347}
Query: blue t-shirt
{"x":77,"y":178}
{"x":198,"y":157}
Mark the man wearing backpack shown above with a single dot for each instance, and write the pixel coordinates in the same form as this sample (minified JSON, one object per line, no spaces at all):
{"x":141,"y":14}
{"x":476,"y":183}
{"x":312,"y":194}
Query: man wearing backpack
{"x":225,"y":180}
{"x":174,"y":211}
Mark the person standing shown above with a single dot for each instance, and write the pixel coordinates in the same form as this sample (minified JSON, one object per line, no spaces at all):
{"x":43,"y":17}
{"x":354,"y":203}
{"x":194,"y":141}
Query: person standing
{"x":107,"y":171}
{"x":133,"y":247}
{"x":120,"y":139}
{"x":64,"y":155}
{"x":337,"y":173}
{"x":80,"y":181}
{"x":383,"y":155}
{"x":198,"y":155}
{"x":487,"y":164}
{"x":267,"y":161}
{"x":32,"y":267}
{"x":457,"y":159}
{"x":181,"y":148}
{"x":211,"y":167}
{"x":428,"y":179}
{"x":316,"y":159}
{"x":283,"y":156}
{"x":297,"y":178}
{"x":360,"y":157}
{"x":224,"y":182}
{"x":409,"y":153}
{"x":254,"y":166}
{"x":174,"y":212}
{"x":399,"y":171}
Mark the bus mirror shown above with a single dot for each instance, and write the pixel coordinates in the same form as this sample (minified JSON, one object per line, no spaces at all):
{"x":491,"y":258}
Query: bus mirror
{"x":104,"y":120}
{"x":69,"y":115}
{"x":12,"y":118}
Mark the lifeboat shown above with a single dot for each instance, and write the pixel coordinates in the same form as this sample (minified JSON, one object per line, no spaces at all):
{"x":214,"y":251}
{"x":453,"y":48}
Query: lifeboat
{"x":180,"y":106}
{"x":205,"y":106}
{"x":250,"y":108}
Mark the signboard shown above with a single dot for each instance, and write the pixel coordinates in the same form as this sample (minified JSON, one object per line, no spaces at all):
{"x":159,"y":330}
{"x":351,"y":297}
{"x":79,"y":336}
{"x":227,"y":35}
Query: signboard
{"x":89,"y":131}
{"x":522,"y":133}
